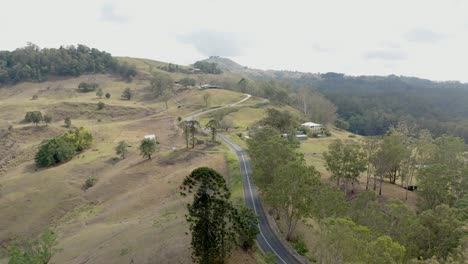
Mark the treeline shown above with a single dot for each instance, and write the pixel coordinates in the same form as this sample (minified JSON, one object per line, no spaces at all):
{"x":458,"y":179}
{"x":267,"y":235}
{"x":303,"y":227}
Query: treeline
{"x":372,"y":104}
{"x":364,"y":228}
{"x":35,"y":65}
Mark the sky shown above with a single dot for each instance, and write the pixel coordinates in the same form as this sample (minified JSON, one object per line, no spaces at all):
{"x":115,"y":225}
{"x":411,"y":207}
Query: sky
{"x":422,"y":38}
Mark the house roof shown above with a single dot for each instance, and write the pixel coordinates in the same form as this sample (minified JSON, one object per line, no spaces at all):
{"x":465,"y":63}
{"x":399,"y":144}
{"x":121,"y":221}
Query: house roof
{"x":311,"y":124}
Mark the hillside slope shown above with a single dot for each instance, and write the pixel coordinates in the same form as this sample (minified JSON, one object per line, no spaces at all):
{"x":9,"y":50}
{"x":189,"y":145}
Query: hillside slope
{"x":134,"y":214}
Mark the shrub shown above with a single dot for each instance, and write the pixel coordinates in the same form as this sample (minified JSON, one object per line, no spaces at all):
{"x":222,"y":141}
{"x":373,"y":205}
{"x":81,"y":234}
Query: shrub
{"x":108,"y":95}
{"x":300,"y":247}
{"x":80,"y":138}
{"x":99,"y":93}
{"x":47,"y":119}
{"x":179,"y":118}
{"x":90,"y":182}
{"x":34,"y":97}
{"x":35,"y":252}
{"x":67,"y":122}
{"x":86,"y":87}
{"x":352,"y":136}
{"x":34,"y":117}
{"x":127,"y":94}
{"x":187,"y":82}
{"x":100,"y":105}
{"x":54,"y":151}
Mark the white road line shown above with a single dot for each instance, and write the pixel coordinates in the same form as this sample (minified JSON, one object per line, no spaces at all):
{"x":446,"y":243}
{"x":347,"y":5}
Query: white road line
{"x":255,"y":209}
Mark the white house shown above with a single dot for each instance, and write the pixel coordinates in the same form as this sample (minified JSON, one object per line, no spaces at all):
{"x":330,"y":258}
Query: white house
{"x":313,"y":126}
{"x":152,"y":137}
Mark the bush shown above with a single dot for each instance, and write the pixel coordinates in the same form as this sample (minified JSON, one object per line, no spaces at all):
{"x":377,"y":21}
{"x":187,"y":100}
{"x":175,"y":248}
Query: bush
{"x":35,"y":252}
{"x":300,"y":247}
{"x":80,"y":138}
{"x":54,"y":151}
{"x":34,"y":97}
{"x":352,"y":136}
{"x":187,"y":82}
{"x":47,"y":119}
{"x":34,"y":117}
{"x":67,"y":122}
{"x":86,"y":87}
{"x":179,"y":118}
{"x":108,"y":95}
{"x":127,"y":94}
{"x":100,"y":105}
{"x":90,"y":182}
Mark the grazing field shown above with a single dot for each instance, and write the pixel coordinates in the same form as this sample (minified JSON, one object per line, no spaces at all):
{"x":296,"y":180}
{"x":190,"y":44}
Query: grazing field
{"x":134,"y":213}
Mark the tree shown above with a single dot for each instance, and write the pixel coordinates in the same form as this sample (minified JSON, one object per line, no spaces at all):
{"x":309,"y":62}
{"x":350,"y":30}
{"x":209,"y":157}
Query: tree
{"x":47,"y":119}
{"x":343,"y":241}
{"x":160,"y":83}
{"x":291,"y":190}
{"x":226,"y":123}
{"x":190,"y":131}
{"x":100,"y":105}
{"x":80,"y":138}
{"x":39,"y":251}
{"x":108,"y":95}
{"x":86,"y":87}
{"x":34,"y":117}
{"x":242,"y":85}
{"x":281,"y":120}
{"x":213,"y":125}
{"x":122,"y":149}
{"x":127,"y":94}
{"x":54,"y":151}
{"x":186,"y":81}
{"x":370,"y":146}
{"x":328,"y":202}
{"x":247,"y":227}
{"x":268,"y":152}
{"x":211,"y":216}
{"x":206,"y":98}
{"x":67,"y":122}
{"x":345,"y":161}
{"x":99,"y":93}
{"x":166,"y":96}
{"x":148,"y":147}
{"x":442,"y":232}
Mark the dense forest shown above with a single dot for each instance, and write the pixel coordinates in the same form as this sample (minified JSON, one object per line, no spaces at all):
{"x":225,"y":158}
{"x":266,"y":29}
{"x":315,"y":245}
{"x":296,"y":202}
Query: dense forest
{"x":34,"y":64}
{"x":372,"y":104}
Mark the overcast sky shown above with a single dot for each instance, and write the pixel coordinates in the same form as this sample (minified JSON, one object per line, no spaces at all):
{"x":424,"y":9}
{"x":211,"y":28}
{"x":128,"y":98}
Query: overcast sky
{"x":424,"y":38}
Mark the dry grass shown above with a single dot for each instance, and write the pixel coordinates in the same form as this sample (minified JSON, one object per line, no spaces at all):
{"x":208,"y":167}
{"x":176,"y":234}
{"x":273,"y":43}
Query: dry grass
{"x":134,"y":212}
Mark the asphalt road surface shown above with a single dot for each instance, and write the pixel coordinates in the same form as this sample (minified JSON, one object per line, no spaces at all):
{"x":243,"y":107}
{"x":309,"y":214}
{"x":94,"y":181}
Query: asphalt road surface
{"x":266,"y":239}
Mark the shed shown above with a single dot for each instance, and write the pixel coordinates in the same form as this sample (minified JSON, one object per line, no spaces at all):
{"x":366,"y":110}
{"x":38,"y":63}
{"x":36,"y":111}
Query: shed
{"x":152,"y":137}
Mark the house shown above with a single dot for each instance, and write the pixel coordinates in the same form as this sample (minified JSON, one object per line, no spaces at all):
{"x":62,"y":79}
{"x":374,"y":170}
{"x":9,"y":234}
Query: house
{"x":151,"y":137}
{"x":313,"y":126}
{"x":209,"y":86}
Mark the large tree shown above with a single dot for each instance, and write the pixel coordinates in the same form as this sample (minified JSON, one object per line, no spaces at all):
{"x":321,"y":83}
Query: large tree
{"x":268,"y":151}
{"x":211,"y":216}
{"x":345,"y":161}
{"x":148,"y":147}
{"x":213,"y":126}
{"x":291,"y":192}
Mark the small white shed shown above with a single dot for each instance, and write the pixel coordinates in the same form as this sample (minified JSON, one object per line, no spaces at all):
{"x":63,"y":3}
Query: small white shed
{"x":152,"y":137}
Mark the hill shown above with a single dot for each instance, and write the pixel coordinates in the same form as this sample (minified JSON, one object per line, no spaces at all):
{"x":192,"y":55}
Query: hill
{"x":372,"y":104}
{"x":134,"y":213}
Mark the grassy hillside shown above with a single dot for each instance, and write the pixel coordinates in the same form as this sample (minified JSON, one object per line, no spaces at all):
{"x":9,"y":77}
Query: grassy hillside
{"x":134,"y":214}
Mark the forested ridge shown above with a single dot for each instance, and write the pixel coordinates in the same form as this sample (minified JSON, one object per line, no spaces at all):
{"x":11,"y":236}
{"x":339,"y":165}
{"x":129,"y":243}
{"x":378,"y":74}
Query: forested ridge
{"x":34,"y":64}
{"x":372,"y":104}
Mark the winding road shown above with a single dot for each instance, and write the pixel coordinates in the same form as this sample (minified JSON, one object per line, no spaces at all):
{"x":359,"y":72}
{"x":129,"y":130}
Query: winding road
{"x":266,"y":239}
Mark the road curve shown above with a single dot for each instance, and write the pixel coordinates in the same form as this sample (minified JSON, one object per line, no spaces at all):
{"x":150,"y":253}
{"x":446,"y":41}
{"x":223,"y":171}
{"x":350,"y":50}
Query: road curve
{"x":266,"y":239}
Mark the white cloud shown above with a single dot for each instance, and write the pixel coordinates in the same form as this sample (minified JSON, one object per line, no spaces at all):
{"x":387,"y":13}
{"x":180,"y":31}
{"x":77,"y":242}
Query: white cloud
{"x":424,"y":35}
{"x":219,"y":43}
{"x":354,"y":37}
{"x":388,"y":55}
{"x":108,"y":13}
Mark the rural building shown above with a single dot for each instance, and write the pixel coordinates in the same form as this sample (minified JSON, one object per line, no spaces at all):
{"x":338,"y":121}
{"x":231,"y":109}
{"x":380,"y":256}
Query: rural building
{"x":209,"y":86}
{"x":313,"y":126}
{"x":152,"y":137}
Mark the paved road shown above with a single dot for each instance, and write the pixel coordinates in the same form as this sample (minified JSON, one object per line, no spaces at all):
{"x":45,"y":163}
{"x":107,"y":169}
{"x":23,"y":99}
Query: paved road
{"x":266,"y":239}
